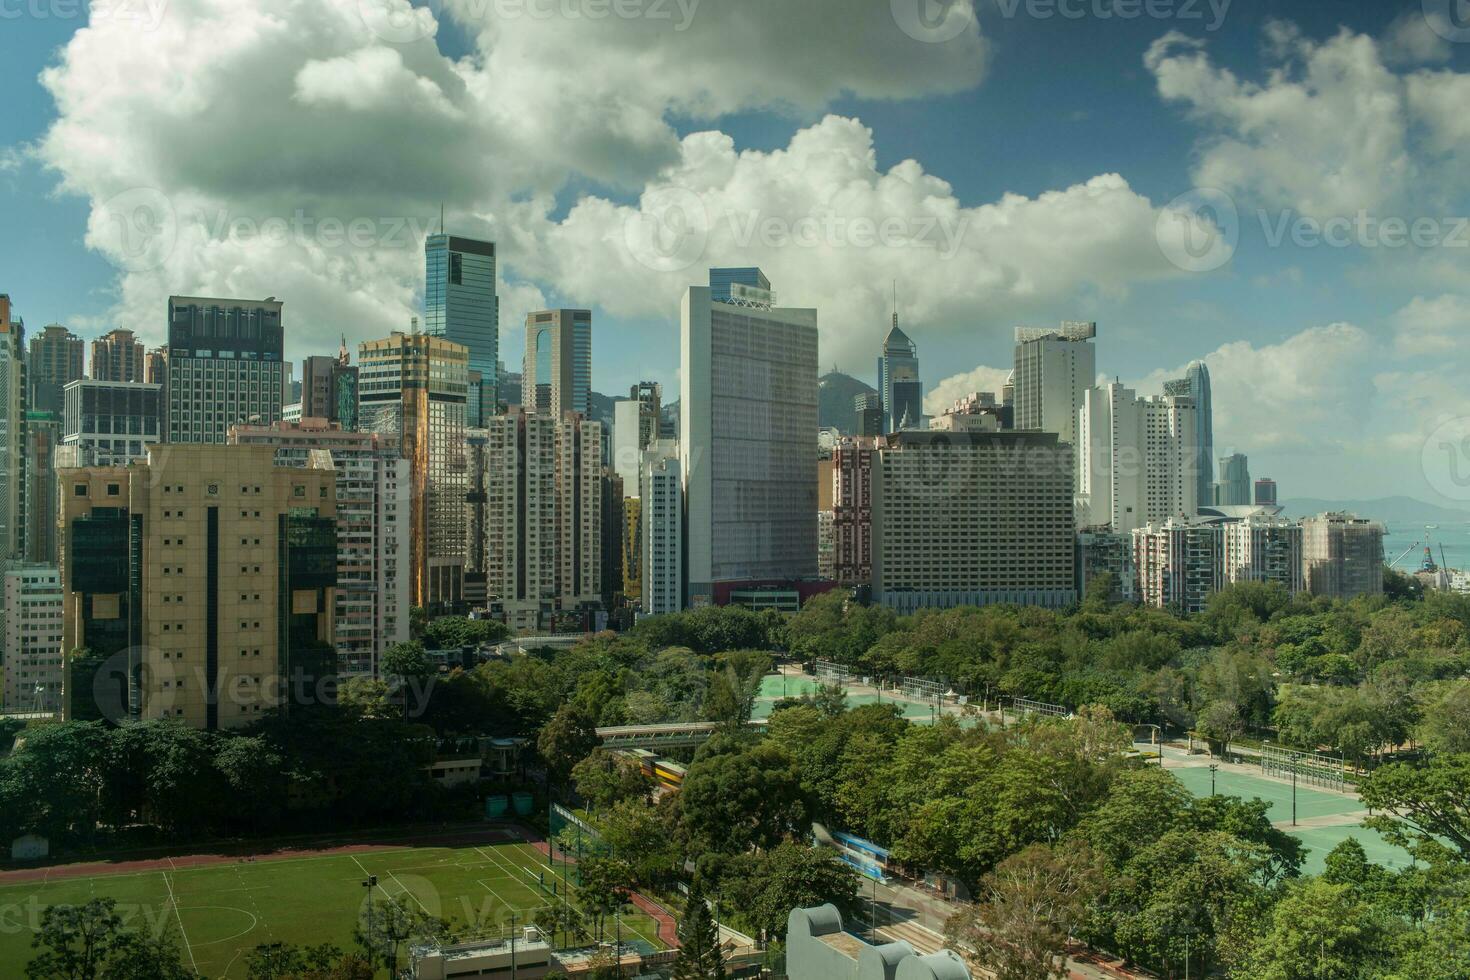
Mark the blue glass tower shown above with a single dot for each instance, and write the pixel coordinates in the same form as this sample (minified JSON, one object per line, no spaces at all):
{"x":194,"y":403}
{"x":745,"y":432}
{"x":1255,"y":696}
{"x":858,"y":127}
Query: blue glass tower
{"x":460,"y":305}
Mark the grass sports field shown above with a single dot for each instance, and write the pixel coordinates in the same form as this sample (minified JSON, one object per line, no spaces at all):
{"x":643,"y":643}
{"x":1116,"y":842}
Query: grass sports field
{"x":220,"y":911}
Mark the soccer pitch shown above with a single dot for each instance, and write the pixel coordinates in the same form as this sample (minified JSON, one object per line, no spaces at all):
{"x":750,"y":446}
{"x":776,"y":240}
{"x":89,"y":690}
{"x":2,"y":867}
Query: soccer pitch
{"x":219,"y":911}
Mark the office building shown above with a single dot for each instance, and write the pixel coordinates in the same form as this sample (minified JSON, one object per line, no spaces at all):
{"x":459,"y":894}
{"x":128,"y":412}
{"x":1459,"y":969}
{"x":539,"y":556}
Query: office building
{"x":1233,"y":489}
{"x":557,"y":375}
{"x":1265,"y":492}
{"x":329,"y":389}
{"x":543,"y":519}
{"x":614,"y":522}
{"x":12,"y":433}
{"x":976,"y":412}
{"x":32,"y":633}
{"x":212,"y":570}
{"x":899,"y":387}
{"x":1342,"y":556}
{"x":632,"y":551}
{"x":1196,"y":385}
{"x":868,"y":411}
{"x":413,"y":390}
{"x":155,"y":366}
{"x":118,"y":356}
{"x":1054,"y":368}
{"x":661,"y":516}
{"x":1179,"y":563}
{"x":635,"y":428}
{"x":371,"y":607}
{"x":973,"y":519}
{"x":461,"y":306}
{"x":820,"y":947}
{"x":748,"y":426}
{"x":224,"y":366}
{"x":826,"y":547}
{"x":110,"y":423}
{"x":1262,"y":548}
{"x":43,"y":444}
{"x":56,"y":356}
{"x":852,"y":512}
{"x":1136,"y":458}
{"x":1101,"y":550}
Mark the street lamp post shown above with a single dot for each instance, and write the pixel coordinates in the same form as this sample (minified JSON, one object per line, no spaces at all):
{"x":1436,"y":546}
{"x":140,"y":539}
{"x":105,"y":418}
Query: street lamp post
{"x":512,"y":946}
{"x":1293,"y":795}
{"x":1213,"y":769}
{"x":370,"y":883}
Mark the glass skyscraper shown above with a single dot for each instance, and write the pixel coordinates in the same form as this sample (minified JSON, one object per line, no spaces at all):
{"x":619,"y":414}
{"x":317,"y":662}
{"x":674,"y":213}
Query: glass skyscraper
{"x":1196,"y":384}
{"x":460,"y":305}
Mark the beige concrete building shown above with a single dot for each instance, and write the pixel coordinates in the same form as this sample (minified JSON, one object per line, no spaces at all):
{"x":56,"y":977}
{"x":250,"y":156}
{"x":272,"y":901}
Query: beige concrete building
{"x":543,"y":516}
{"x":557,"y":373}
{"x":413,"y":390}
{"x":205,"y":577}
{"x":1342,"y":555}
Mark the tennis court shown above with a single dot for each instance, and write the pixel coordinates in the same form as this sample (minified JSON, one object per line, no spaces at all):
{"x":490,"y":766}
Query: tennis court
{"x":1336,"y":816}
{"x":219,"y":911}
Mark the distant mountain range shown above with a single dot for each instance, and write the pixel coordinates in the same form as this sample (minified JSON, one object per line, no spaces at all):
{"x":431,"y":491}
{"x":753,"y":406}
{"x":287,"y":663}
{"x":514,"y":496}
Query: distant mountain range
{"x":1392,"y":510}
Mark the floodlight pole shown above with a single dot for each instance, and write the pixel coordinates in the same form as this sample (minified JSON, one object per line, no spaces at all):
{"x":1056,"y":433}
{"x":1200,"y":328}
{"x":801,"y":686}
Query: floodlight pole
{"x":369,"y":884}
{"x":1293,"y":796}
{"x":512,"y":946}
{"x":1213,"y":769}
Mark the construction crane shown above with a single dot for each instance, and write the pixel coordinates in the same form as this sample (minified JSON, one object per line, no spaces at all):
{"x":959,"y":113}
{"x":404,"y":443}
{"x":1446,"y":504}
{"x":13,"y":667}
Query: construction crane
{"x":1404,"y":554}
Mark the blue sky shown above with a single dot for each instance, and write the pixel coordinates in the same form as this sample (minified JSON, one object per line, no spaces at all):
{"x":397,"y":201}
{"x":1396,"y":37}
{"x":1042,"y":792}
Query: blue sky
{"x":1337,"y":367}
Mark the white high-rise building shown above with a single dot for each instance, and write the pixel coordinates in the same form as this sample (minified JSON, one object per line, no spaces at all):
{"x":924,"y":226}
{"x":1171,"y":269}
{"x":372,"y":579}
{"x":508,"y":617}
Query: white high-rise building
{"x":1179,"y":564}
{"x":1054,"y":368}
{"x":748,"y":434}
{"x":661,"y":512}
{"x":374,"y":571}
{"x":543,"y":516}
{"x":1261,"y":548}
{"x":32,"y":613}
{"x":1136,"y":458}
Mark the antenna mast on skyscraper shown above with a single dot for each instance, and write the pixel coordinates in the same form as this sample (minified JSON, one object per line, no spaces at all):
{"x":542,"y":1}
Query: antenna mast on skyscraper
{"x":895,"y":302}
{"x":441,"y":217}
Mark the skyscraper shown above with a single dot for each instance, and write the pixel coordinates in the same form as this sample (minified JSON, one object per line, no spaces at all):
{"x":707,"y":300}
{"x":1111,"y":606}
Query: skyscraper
{"x":32,"y":637}
{"x":373,"y":572}
{"x":557,"y":377}
{"x":110,"y":423}
{"x":1054,"y":369}
{"x":635,"y":428}
{"x":210,"y":570}
{"x":55,"y":360}
{"x":1136,"y":458}
{"x":43,"y":442}
{"x":1196,"y":384}
{"x":12,"y":433}
{"x":461,"y":305}
{"x":544,"y":513}
{"x":898,"y":379}
{"x":661,"y":517}
{"x":1265,"y":492}
{"x":748,"y":435}
{"x":852,"y":512}
{"x":413,"y":392}
{"x":224,"y":366}
{"x":118,"y":355}
{"x":972,"y":518}
{"x":1342,"y":556}
{"x":1234,"y":486}
{"x":329,"y":389}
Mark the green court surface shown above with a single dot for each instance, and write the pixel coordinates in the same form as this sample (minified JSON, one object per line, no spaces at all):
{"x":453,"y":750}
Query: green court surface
{"x":773,"y":686}
{"x":1310,"y":804}
{"x":218,"y":913}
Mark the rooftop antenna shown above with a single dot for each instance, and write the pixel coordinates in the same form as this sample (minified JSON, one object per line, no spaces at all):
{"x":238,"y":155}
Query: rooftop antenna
{"x":895,"y":302}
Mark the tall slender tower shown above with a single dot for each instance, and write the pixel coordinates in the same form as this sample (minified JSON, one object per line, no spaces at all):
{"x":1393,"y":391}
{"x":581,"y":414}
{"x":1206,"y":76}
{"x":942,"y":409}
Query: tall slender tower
{"x":1196,"y":384}
{"x":460,"y":305}
{"x":899,"y":387}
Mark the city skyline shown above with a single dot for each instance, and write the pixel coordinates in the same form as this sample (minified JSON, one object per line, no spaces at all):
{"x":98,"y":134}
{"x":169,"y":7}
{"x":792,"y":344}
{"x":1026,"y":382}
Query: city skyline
{"x":1090,"y":175}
